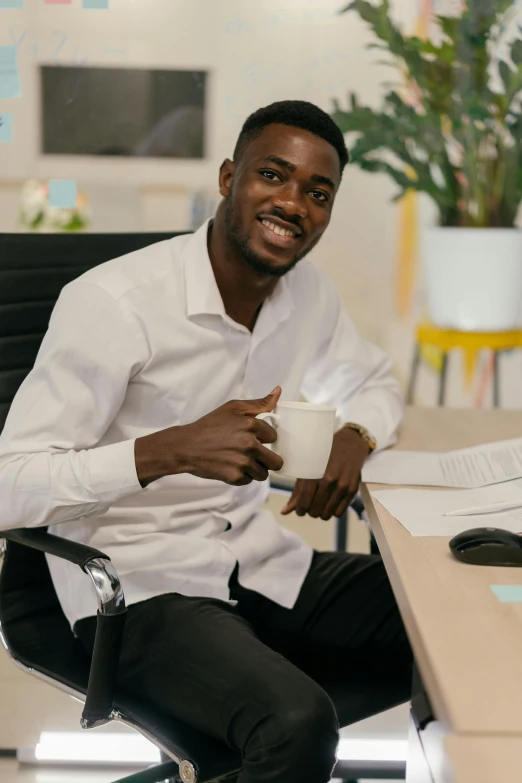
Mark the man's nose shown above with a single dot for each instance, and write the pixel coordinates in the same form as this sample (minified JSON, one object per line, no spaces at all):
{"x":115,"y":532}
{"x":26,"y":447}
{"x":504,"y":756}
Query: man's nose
{"x":291,"y":201}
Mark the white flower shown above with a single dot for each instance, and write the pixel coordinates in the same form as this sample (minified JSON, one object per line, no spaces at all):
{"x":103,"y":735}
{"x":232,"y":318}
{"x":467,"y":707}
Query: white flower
{"x":36,"y":212}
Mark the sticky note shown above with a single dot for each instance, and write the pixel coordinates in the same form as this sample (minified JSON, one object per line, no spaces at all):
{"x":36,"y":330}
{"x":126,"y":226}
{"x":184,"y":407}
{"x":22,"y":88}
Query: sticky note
{"x":6,"y":127}
{"x":9,"y":79}
{"x":62,"y":193}
{"x":508,"y":594}
{"x":11,"y":3}
{"x":95,"y":3}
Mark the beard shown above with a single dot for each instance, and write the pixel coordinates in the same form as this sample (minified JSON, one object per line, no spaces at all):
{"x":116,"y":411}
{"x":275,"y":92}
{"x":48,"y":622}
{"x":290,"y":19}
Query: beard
{"x":238,"y":238}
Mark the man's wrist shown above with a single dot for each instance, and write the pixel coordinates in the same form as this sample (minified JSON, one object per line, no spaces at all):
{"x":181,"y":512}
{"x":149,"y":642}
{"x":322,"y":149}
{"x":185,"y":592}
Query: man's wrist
{"x":363,"y":433}
{"x":156,"y":456}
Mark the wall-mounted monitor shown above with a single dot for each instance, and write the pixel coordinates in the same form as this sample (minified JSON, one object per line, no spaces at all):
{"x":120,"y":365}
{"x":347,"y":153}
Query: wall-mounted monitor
{"x":123,"y":111}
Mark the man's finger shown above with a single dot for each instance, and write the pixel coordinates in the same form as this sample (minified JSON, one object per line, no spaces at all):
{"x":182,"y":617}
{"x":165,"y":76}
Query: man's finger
{"x":337,"y":504}
{"x":290,"y":506}
{"x":292,"y":503}
{"x":306,"y":496}
{"x":264,"y":431}
{"x":322,"y":496}
{"x":263,"y":405}
{"x":256,"y":470}
{"x":269,"y":459}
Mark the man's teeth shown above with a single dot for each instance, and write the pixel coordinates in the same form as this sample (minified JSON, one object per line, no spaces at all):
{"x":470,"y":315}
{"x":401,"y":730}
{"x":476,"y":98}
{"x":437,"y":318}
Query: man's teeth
{"x":283,"y":232}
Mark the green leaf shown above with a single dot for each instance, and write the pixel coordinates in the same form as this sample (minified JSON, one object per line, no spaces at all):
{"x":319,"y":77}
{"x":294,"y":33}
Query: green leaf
{"x":505,"y":74}
{"x":516,"y":52}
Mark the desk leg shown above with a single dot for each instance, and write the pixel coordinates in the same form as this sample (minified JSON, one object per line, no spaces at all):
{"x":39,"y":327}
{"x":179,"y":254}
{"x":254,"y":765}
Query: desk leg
{"x":442,"y":380}
{"x":413,"y":374}
{"x":421,"y":715}
{"x":496,"y":380}
{"x":420,"y":704}
{"x":417,"y":770}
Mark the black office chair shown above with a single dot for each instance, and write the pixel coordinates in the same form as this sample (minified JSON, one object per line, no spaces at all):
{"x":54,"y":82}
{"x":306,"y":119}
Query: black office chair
{"x":33,"y":628}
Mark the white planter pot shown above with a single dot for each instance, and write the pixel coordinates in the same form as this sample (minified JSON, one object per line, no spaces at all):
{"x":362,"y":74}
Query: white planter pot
{"x":473,"y":277}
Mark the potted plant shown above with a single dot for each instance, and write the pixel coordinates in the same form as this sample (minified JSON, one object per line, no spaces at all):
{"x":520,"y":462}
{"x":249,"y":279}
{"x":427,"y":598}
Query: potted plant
{"x":456,"y":135}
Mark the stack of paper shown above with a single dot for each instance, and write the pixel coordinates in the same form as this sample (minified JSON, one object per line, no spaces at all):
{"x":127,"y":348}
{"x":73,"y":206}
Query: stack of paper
{"x":422,"y":511}
{"x":474,"y":467}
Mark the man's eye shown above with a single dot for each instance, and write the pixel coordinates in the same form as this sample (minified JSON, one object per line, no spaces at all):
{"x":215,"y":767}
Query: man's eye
{"x":319,"y":195}
{"x":269,"y":174}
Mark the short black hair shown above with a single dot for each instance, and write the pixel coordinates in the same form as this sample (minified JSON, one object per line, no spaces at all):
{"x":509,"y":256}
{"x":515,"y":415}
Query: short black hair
{"x":297,"y":114}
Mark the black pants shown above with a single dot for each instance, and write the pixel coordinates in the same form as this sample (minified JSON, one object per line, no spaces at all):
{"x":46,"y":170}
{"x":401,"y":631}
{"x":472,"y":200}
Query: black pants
{"x":273,"y":683}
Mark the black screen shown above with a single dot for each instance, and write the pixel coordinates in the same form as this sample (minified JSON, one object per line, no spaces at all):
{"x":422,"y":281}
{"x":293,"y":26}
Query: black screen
{"x":123,"y":111}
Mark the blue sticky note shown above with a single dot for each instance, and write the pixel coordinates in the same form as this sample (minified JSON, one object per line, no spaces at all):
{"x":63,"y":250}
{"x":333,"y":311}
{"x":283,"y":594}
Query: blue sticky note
{"x":9,"y":79}
{"x":508,"y":594}
{"x":62,"y":193}
{"x":95,"y":3}
{"x":6,"y":127}
{"x":11,"y":3}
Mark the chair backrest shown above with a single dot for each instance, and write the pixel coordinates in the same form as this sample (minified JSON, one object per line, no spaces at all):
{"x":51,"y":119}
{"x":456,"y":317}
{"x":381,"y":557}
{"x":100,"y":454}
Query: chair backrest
{"x":33,"y":270}
{"x":33,"y":624}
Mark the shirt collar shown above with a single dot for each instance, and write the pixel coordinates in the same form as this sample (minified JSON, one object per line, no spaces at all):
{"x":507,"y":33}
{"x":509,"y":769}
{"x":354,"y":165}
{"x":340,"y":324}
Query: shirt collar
{"x":201,"y":288}
{"x":202,"y":292}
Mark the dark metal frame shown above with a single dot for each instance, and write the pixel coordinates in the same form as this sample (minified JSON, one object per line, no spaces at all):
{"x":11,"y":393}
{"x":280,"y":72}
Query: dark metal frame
{"x":98,"y":700}
{"x":443,"y":376}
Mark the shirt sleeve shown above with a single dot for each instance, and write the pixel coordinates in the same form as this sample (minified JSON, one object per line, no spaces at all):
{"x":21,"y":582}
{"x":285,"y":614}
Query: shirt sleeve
{"x":51,"y":469}
{"x":352,"y":374}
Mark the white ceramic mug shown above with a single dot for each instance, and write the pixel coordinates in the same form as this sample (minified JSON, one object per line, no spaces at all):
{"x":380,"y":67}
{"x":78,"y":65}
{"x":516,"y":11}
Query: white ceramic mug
{"x":304,"y":437}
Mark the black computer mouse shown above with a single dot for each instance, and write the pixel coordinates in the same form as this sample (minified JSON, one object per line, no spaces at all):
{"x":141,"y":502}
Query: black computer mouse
{"x":488,"y":546}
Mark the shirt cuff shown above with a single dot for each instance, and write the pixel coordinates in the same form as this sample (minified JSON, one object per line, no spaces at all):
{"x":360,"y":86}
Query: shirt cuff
{"x":113,"y":471}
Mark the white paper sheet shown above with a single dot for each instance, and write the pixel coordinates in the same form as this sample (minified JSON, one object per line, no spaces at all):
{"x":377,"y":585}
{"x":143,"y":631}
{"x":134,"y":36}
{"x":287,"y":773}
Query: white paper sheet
{"x":478,"y":466}
{"x":421,"y":511}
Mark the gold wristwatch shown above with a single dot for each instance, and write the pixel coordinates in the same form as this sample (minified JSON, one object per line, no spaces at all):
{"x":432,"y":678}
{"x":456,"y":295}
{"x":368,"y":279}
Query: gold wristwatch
{"x":365,"y":435}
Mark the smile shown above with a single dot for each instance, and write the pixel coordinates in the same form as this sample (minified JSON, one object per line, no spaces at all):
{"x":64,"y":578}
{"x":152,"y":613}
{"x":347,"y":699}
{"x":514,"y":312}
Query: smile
{"x":282,"y":232}
{"x":277,"y":236}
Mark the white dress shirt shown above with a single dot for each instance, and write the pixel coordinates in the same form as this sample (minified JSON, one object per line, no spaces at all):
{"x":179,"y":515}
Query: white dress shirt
{"x":141,"y":343}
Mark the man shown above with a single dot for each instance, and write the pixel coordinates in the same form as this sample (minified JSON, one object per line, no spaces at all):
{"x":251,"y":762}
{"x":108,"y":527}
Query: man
{"x":136,"y":433}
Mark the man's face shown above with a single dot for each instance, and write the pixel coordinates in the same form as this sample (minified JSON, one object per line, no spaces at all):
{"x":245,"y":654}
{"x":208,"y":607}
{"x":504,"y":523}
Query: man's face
{"x":279,"y":197}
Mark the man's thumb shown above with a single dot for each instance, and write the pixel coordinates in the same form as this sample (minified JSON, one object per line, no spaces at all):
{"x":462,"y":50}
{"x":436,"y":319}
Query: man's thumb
{"x":265,"y":404}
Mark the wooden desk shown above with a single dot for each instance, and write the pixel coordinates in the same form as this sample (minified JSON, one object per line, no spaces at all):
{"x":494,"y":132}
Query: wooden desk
{"x":467,"y":645}
{"x":483,"y":760}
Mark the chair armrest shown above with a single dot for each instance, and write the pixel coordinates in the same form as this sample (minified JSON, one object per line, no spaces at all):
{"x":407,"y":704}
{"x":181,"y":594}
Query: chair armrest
{"x":110,"y":616}
{"x":39,"y":538}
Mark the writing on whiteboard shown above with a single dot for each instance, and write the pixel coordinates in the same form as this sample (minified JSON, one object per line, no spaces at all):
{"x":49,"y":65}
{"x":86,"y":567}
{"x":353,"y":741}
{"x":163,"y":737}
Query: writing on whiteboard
{"x":55,"y":47}
{"x":279,"y":17}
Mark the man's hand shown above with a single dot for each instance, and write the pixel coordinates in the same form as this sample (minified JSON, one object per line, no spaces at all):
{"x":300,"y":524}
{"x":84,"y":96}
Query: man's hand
{"x":225,"y":445}
{"x":331,"y":495}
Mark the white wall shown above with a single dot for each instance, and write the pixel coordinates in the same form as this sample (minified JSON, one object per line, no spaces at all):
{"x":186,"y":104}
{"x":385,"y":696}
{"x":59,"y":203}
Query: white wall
{"x":256,"y":52}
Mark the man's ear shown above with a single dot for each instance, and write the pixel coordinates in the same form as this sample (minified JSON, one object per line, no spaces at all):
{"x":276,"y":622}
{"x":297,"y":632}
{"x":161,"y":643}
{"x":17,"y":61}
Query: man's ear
{"x":226,"y":175}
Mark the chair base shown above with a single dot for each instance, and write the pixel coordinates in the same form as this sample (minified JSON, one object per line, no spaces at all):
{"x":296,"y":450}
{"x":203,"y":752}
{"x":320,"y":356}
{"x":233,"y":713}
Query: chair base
{"x":168,"y":771}
{"x":158,"y":774}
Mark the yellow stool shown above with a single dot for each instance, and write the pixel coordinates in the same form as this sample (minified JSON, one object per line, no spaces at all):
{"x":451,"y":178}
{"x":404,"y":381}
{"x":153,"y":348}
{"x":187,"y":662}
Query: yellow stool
{"x":470,"y":342}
